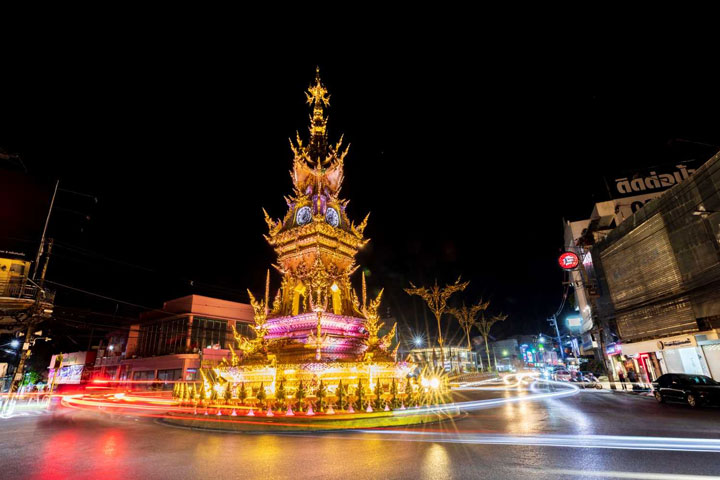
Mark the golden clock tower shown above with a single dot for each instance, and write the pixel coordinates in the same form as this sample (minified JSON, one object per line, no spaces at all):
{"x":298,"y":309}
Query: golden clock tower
{"x":315,"y":242}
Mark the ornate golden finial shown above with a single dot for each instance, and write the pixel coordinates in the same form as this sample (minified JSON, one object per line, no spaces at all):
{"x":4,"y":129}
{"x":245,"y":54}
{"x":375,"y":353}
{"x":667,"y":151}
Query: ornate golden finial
{"x":317,"y":93}
{"x":317,"y":165}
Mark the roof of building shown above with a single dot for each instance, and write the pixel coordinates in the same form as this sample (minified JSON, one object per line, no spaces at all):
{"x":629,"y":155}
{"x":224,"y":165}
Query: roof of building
{"x":202,"y":306}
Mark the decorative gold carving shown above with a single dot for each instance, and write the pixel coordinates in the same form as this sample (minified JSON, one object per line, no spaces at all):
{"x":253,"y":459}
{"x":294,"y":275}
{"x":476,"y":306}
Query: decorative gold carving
{"x":273,"y":226}
{"x":436,"y":299}
{"x":466,"y":317}
{"x":485,"y":324}
{"x":358,"y":231}
{"x":375,"y":346}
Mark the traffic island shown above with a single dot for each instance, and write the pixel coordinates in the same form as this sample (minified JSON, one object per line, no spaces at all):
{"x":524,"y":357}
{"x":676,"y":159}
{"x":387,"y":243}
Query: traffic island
{"x":304,"y":423}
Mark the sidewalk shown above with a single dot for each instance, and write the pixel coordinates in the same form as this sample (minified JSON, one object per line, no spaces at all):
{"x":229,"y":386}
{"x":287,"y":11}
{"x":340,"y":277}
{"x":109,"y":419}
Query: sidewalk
{"x":641,"y":389}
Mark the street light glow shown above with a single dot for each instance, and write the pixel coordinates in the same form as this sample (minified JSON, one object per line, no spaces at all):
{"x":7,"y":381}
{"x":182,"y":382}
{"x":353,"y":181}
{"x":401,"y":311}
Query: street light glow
{"x":15,"y":343}
{"x":418,"y":341}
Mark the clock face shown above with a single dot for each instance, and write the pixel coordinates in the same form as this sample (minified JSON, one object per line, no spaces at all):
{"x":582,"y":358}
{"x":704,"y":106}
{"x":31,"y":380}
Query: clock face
{"x":332,"y":217}
{"x":303,"y":216}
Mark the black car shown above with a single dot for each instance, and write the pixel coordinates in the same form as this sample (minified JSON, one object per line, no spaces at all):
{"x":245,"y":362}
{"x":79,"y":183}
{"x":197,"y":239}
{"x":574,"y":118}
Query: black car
{"x":695,"y":390}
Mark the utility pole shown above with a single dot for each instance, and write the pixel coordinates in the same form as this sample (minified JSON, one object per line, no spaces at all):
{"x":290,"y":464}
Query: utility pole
{"x":38,"y":311}
{"x":42,"y":238}
{"x":553,"y":323}
{"x":20,"y":371}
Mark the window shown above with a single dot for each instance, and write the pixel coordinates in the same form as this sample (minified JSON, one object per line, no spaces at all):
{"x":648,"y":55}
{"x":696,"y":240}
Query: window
{"x":207,"y":332}
{"x":699,"y":380}
{"x":144,"y":375}
{"x":165,"y":337}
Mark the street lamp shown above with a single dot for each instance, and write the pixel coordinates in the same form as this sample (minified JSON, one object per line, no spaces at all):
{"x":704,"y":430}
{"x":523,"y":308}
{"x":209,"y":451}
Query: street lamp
{"x":15,"y":343}
{"x":701,"y":211}
{"x":418,"y":341}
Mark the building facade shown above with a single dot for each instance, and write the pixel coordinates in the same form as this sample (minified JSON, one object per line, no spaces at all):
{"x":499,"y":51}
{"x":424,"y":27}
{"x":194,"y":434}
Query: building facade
{"x":174,"y":342}
{"x":580,"y":237}
{"x":457,"y":359}
{"x":658,"y":273}
{"x":504,"y":355}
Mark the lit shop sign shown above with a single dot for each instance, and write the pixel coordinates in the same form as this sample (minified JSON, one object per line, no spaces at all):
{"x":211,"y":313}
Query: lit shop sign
{"x":613,"y":349}
{"x":674,"y":343}
{"x":575,"y":321}
{"x":569,"y":261}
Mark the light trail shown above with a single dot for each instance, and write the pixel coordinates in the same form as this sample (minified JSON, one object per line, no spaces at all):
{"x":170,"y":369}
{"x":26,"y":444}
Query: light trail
{"x":151,"y":406}
{"x":677,"y":444}
{"x":616,"y":474}
{"x":139,"y":404}
{"x":511,"y":381}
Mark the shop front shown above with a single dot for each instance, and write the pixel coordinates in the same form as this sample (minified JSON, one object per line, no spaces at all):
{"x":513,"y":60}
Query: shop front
{"x":711,"y":350}
{"x":70,"y":369}
{"x":676,"y":354}
{"x":638,"y":369}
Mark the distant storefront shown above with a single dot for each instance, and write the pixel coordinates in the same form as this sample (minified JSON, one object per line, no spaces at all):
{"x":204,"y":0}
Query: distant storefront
{"x":456,"y":358}
{"x":71,"y":368}
{"x":695,"y":353}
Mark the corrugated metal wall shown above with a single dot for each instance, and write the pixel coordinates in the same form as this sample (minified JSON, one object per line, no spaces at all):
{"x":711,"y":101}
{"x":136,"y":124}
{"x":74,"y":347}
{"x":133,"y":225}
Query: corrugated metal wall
{"x":660,"y":269}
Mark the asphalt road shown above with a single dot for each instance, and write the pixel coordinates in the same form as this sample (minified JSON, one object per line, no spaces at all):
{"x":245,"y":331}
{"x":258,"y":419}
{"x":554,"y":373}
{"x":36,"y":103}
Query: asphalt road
{"x":589,"y":435}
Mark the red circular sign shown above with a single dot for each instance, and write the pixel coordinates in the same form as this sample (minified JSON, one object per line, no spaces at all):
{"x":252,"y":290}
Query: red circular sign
{"x":569,"y":260}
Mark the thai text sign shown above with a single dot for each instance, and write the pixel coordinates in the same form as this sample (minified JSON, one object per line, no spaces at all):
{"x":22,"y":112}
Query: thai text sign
{"x":651,"y":180}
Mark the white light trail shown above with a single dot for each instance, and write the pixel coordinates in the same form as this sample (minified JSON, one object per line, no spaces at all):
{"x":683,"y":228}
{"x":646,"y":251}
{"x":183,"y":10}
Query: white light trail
{"x":676,"y":444}
{"x":616,"y":474}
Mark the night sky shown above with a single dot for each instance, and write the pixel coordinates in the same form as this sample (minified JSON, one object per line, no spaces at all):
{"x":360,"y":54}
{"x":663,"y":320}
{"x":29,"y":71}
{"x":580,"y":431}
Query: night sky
{"x":468,"y":161}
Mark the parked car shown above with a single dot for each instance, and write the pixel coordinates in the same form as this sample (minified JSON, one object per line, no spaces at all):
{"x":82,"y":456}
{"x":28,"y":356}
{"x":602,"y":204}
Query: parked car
{"x":695,"y":390}
{"x":562,"y":376}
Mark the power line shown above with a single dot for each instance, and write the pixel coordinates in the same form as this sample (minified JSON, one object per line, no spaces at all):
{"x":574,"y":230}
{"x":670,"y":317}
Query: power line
{"x":185,"y":281}
{"x":106,"y":297}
